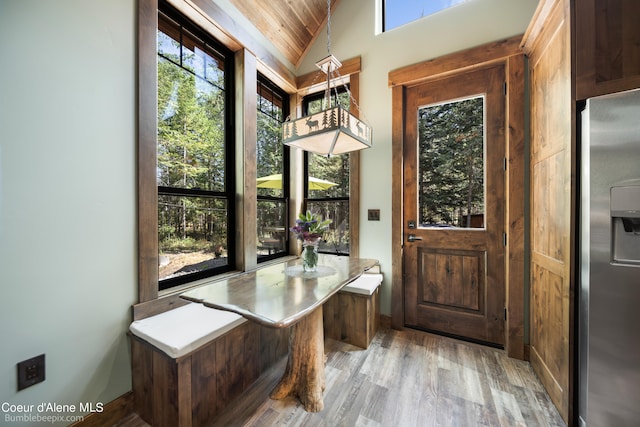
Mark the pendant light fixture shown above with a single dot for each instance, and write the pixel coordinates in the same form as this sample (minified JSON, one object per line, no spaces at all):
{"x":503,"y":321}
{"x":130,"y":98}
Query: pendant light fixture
{"x":333,"y":130}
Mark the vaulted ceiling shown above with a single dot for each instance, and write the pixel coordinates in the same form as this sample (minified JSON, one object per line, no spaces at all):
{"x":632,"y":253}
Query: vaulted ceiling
{"x":291,"y":25}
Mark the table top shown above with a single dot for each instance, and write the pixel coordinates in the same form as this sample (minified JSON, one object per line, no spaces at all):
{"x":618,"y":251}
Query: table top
{"x":279,"y":295}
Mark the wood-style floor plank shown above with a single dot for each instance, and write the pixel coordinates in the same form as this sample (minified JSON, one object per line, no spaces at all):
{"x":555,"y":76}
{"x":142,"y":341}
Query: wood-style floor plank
{"x":407,"y":378}
{"x":131,"y":420}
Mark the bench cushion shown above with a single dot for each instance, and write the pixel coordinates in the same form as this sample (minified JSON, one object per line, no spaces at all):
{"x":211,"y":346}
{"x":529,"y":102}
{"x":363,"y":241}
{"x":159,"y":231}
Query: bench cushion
{"x":364,"y":285}
{"x":182,"y":330}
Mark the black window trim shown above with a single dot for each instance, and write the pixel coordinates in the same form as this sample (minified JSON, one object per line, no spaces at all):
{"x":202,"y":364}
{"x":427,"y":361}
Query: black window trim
{"x":229,"y":191}
{"x":269,"y":85}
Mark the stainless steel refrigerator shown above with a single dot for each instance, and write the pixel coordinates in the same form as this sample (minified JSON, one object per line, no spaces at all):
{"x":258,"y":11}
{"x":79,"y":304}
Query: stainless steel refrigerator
{"x":609,"y":305}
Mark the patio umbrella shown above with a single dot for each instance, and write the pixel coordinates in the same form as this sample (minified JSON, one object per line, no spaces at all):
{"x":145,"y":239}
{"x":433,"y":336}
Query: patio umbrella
{"x":275,"y":181}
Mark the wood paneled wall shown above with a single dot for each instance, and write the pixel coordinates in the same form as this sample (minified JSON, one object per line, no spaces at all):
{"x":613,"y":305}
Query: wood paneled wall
{"x":548,"y":43}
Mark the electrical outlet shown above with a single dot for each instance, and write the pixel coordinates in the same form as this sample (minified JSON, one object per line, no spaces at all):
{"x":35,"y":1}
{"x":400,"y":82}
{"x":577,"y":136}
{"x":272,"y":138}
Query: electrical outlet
{"x":30,"y":372}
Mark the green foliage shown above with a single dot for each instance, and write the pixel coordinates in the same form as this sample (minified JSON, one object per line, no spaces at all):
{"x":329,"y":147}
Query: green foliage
{"x":310,"y":225}
{"x":315,"y":222}
{"x":190,"y":130}
{"x":188,"y":244}
{"x":269,"y":150}
{"x":191,"y":223}
{"x":451,"y":162}
{"x":336,"y":238}
{"x":191,"y":136}
{"x":334,"y":169}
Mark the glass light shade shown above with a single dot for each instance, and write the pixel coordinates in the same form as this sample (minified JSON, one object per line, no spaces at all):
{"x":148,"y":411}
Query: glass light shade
{"x":331,"y":131}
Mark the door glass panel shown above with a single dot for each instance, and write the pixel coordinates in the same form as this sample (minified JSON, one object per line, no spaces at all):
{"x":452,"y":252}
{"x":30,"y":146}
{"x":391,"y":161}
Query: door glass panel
{"x":451,"y":164}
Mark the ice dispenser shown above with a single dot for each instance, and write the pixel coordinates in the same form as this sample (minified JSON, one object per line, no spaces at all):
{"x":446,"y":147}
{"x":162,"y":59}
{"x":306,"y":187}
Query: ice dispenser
{"x":625,"y":225}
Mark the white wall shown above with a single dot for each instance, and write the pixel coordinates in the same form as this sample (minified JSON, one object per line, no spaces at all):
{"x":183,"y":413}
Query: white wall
{"x":353,"y":33}
{"x":67,"y":198}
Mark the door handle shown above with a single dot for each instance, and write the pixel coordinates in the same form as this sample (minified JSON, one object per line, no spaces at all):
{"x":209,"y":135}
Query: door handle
{"x":413,"y":238}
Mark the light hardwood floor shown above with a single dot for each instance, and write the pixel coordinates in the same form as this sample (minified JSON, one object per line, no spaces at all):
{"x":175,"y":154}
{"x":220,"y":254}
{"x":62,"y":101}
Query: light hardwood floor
{"x":407,"y":378}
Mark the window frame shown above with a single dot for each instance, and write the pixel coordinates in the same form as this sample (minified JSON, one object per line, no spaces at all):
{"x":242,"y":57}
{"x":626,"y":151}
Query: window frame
{"x":228,"y":193}
{"x":263,"y":81}
{"x":383,"y":18}
{"x":149,"y":285}
{"x":149,"y":300}
{"x":335,"y":93}
{"x":350,"y":75}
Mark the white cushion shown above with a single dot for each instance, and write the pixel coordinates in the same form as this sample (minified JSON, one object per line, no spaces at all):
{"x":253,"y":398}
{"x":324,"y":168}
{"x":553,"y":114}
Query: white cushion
{"x":365,"y":284}
{"x":182,"y":330}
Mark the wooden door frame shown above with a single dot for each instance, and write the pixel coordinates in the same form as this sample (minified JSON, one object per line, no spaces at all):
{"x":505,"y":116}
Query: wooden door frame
{"x":508,"y":53}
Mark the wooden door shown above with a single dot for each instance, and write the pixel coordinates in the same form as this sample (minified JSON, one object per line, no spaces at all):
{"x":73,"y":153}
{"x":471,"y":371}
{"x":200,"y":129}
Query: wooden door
{"x":453,"y":202}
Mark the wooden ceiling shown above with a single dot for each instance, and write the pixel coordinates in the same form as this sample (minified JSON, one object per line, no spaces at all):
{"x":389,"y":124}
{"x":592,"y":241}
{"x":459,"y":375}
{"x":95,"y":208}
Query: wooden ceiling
{"x":291,"y":25}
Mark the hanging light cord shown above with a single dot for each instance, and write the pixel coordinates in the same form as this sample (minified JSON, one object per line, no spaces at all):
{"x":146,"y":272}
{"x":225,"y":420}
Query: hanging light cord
{"x":330,"y":71}
{"x":327,"y":93}
{"x":329,"y":26}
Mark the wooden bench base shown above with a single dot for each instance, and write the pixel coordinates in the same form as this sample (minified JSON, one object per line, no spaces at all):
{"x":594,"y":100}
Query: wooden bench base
{"x":192,"y":389}
{"x":352,"y":318}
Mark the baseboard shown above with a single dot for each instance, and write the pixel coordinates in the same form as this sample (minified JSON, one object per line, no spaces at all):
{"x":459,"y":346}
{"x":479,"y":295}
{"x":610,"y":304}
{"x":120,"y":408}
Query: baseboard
{"x":385,"y":322}
{"x":112,"y":413}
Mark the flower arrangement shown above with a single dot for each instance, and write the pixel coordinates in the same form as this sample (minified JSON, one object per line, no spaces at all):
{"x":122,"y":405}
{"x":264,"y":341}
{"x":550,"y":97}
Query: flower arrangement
{"x":309,"y":229}
{"x":310,"y":226}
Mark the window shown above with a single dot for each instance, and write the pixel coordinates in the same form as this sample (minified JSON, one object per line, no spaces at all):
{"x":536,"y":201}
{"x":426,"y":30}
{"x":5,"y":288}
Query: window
{"x":194,"y":153}
{"x":451,"y":172}
{"x":273,"y":172}
{"x":327,"y":183}
{"x":399,"y":12}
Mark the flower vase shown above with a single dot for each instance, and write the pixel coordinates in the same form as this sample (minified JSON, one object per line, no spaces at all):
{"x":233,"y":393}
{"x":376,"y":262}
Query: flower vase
{"x":310,"y":255}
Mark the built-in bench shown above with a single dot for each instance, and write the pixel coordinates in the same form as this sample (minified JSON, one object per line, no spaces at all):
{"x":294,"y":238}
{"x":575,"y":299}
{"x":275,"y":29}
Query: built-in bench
{"x":191,"y":361}
{"x":353,"y":314}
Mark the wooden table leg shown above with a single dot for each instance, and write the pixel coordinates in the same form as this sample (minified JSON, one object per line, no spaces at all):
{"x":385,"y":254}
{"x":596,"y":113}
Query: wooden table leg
{"x":304,"y":375}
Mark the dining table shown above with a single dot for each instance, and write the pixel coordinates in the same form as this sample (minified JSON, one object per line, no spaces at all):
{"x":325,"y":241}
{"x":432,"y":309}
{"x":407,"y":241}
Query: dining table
{"x":284,"y":295}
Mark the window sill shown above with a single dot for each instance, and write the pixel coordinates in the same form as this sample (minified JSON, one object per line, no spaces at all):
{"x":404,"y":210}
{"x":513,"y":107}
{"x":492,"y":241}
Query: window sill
{"x":177,"y":290}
